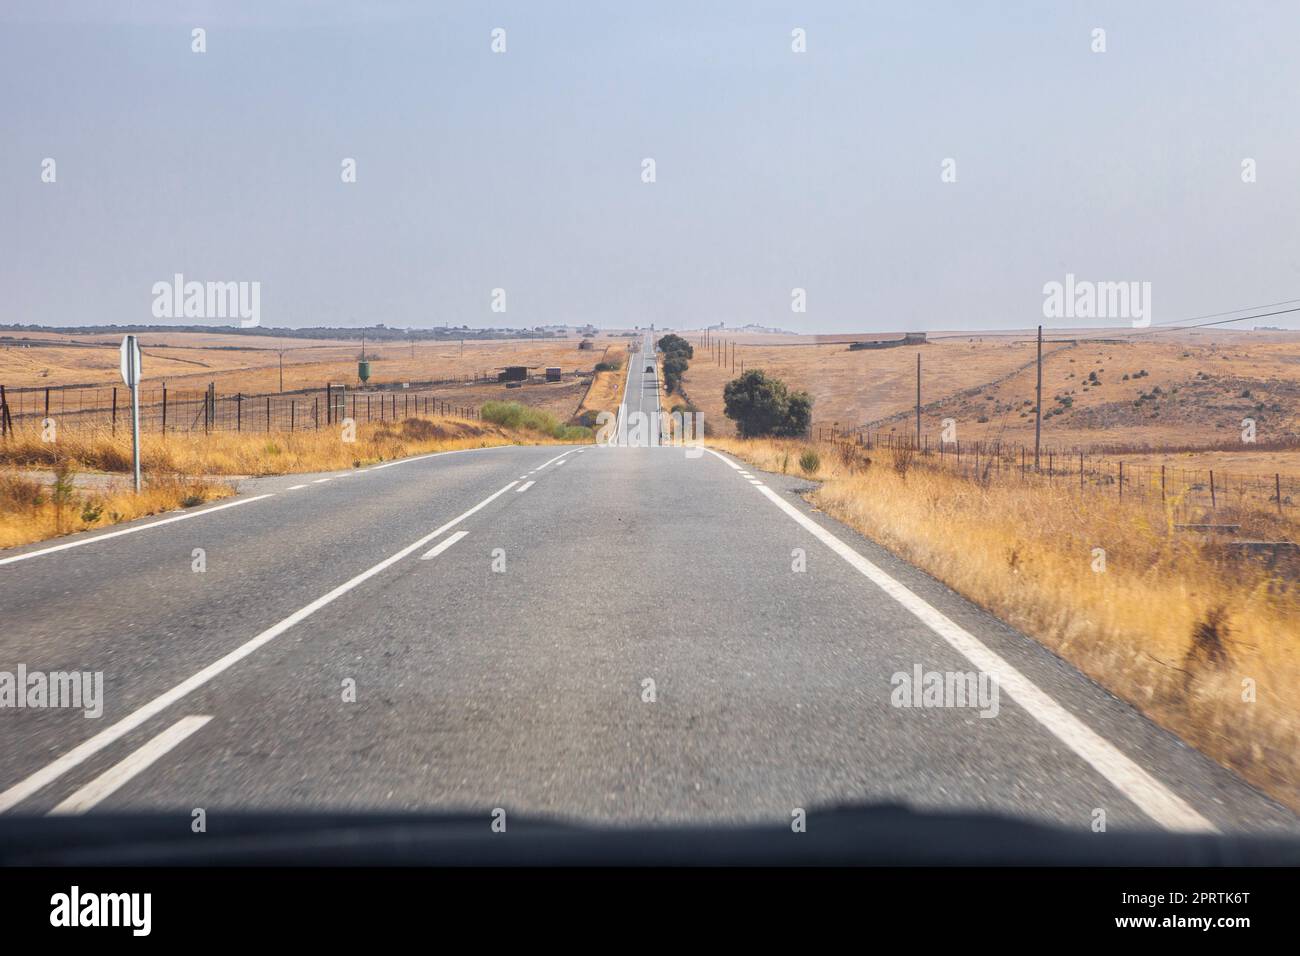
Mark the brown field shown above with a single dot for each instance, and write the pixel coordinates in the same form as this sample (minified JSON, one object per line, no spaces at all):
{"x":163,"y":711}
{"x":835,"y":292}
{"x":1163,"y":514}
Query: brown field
{"x":1207,"y":382}
{"x":183,"y":360}
{"x":1172,"y":624}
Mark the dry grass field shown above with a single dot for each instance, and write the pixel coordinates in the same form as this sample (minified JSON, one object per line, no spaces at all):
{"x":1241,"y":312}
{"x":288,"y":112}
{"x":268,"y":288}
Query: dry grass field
{"x":606,"y":390}
{"x":185,"y":360}
{"x":1170,"y":390}
{"x":1204,"y":644}
{"x":184,"y":470}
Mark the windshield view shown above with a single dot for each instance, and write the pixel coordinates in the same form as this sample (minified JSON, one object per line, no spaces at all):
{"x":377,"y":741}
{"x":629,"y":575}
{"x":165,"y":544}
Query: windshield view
{"x":605,"y":435}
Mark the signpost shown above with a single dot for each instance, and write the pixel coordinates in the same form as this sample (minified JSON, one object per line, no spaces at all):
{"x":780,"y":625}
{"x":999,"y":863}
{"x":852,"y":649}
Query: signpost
{"x":131,"y":376}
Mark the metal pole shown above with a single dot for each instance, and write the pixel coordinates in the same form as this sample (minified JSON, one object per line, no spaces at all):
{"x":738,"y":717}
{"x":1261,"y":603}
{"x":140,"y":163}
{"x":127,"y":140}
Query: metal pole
{"x":135,"y":430}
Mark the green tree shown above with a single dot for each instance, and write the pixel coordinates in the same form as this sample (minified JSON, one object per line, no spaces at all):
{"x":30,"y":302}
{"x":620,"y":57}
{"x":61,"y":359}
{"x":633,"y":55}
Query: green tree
{"x":673,"y":344}
{"x":674,"y":365}
{"x":760,"y":405}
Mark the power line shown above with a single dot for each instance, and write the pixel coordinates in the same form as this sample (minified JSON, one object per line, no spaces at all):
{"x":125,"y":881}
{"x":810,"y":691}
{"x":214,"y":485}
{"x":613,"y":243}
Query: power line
{"x":1241,"y":318}
{"x":1215,"y":315}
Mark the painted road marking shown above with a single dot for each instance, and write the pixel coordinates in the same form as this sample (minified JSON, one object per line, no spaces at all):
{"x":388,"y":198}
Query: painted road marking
{"x":524,"y":487}
{"x":117,"y":776}
{"x":109,"y":735}
{"x":1149,"y":794}
{"x":295,"y":487}
{"x":143,"y":527}
{"x":319,"y":481}
{"x":442,"y":546}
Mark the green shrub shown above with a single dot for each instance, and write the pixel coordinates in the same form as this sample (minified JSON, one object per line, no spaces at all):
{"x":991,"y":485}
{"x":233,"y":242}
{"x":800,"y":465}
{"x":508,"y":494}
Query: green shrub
{"x":810,"y":461}
{"x":522,"y":417}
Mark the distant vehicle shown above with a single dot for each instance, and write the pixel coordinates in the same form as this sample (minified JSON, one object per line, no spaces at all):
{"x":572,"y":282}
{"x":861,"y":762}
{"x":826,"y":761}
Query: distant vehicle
{"x":649,"y":368}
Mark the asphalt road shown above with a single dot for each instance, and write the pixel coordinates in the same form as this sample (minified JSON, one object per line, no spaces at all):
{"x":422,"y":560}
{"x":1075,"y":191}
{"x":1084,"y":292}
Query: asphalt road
{"x":479,"y":629}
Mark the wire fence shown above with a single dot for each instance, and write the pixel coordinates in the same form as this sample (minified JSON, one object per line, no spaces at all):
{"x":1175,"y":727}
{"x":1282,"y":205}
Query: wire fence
{"x":1194,"y":492}
{"x":164,"y":410}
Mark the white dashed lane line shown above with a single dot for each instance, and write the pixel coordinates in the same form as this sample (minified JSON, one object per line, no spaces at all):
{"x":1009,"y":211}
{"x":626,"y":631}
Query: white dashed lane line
{"x":120,"y":774}
{"x":442,"y":546}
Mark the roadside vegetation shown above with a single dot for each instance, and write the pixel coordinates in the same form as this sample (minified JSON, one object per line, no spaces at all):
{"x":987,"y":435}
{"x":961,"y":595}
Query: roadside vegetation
{"x":524,"y":418}
{"x":1203,"y":642}
{"x":677,"y":353}
{"x":32,"y":509}
{"x":83,"y":480}
{"x":761,"y":405}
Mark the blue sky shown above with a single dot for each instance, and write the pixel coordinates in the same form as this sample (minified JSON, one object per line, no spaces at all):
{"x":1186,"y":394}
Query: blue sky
{"x":522,"y":170}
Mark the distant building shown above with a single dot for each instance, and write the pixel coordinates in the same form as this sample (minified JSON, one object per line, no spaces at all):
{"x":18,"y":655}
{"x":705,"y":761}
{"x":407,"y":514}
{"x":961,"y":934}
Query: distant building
{"x":909,"y":338}
{"x":586,"y":344}
{"x":553,"y":373}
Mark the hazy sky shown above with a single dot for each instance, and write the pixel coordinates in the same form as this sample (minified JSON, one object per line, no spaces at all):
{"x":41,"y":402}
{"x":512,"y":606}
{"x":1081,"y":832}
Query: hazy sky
{"x":523,"y":170}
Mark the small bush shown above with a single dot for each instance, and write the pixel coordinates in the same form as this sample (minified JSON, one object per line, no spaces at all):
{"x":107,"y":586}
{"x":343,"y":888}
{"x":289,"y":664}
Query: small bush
{"x":520,"y":417}
{"x":809,"y":462}
{"x":19,"y":492}
{"x":90,"y":511}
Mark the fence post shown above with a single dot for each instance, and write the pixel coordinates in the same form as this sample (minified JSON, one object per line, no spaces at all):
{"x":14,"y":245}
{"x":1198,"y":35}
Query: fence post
{"x":164,"y":410}
{"x":113,"y":425}
{"x":293,"y":412}
{"x":1277,"y":485}
{"x":4,"y":413}
{"x":1213,"y":502}
{"x":1162,"y":484}
{"x":1121,"y":479}
{"x":239,"y":412}
{"x":315,"y":412}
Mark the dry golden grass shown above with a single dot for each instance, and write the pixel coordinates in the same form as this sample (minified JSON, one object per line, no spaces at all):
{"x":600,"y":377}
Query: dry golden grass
{"x":606,"y":392}
{"x":180,"y":469}
{"x":985,"y":382}
{"x":32,"y":510}
{"x":1167,"y":626}
{"x":262,"y":453}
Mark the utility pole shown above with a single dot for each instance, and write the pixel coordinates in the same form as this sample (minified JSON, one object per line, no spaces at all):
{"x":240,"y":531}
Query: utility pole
{"x":918,"y":401}
{"x":1038,"y":400}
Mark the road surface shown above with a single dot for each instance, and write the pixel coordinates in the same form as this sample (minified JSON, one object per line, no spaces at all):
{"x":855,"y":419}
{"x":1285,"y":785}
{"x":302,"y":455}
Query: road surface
{"x":479,"y":629}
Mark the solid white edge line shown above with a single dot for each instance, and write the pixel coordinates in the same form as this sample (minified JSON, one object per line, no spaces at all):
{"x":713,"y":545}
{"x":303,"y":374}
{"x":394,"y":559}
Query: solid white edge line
{"x":1145,"y":791}
{"x":144,"y":527}
{"x":120,"y":774}
{"x":52,"y":771}
{"x":524,"y":487}
{"x":442,"y":546}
